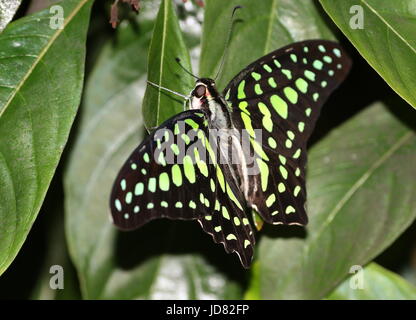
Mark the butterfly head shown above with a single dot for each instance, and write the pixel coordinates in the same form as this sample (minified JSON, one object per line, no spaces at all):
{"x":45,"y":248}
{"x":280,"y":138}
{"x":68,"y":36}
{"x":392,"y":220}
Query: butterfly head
{"x":203,"y":92}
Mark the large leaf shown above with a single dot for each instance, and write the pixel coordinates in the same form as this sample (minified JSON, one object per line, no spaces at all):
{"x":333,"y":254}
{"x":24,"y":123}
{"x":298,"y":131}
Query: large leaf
{"x":56,"y":254}
{"x":378,"y":283}
{"x":387,"y":40}
{"x":7,"y":11}
{"x":166,"y":45}
{"x":158,"y":260}
{"x":361,"y":197}
{"x":259,"y":28}
{"x":40,"y":88}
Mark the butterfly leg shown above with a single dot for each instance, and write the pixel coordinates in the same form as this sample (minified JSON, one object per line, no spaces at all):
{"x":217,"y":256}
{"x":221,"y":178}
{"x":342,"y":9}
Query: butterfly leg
{"x":184,"y":102}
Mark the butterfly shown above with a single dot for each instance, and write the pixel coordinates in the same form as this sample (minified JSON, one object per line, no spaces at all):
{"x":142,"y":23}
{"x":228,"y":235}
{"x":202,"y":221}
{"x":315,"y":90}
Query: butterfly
{"x":234,"y":152}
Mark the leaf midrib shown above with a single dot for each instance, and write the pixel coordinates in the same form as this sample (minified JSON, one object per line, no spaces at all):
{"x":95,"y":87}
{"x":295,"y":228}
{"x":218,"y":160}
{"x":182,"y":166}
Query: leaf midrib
{"x":162,"y":56}
{"x":43,"y":53}
{"x":356,"y":186}
{"x":376,"y":13}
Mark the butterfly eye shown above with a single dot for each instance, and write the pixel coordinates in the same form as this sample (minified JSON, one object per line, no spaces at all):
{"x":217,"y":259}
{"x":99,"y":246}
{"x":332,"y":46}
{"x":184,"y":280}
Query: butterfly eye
{"x":200,"y":91}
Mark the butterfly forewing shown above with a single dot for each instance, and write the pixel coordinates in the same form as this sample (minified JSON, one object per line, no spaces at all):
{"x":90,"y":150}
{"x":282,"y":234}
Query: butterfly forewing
{"x":158,"y":179}
{"x":282,"y":94}
{"x":229,"y":224}
{"x":174,"y":174}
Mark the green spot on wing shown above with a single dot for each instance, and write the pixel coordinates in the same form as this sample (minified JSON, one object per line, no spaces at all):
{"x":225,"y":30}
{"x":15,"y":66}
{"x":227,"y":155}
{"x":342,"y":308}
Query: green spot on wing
{"x":231,"y":237}
{"x":138,"y":189}
{"x":267,"y":68}
{"x":317,"y":64}
{"x":272,"y":143}
{"x":337,"y":52}
{"x":117,"y":203}
{"x":243,"y":106}
{"x":302,"y":85}
{"x":287,"y":73}
{"x":152,"y":184}
{"x":146,"y":157}
{"x":283,"y":172}
{"x":164,"y":181}
{"x":291,"y":94}
{"x":264,"y":173}
{"x":290,"y":134}
{"x":240,"y":91}
{"x":327,"y":59}
{"x":279,"y":105}
{"x":129,"y":197}
{"x":310,"y":75}
{"x":270,"y":200}
{"x":277,"y":63}
{"x":272,"y":82}
{"x":256,"y":76}
{"x":192,"y":123}
{"x":176,"y":175}
{"x":294,"y":57}
{"x":224,"y":212}
{"x":296,"y":191}
{"x":189,"y":169}
{"x":290,"y":209}
{"x":257,"y":89}
{"x":123,"y":184}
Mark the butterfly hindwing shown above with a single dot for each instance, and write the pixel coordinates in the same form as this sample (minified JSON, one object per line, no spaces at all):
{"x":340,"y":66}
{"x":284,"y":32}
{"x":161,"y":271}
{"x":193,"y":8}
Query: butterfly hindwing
{"x":281,"y":94}
{"x":228,"y":223}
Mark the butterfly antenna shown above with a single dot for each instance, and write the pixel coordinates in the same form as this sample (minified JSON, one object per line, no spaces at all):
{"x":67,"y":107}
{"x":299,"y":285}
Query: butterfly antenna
{"x":186,"y":70}
{"x":168,"y":90}
{"x":227,"y":41}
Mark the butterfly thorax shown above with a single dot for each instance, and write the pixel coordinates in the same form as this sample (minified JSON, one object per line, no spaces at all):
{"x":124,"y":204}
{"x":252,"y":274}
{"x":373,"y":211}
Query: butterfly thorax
{"x":205,"y":96}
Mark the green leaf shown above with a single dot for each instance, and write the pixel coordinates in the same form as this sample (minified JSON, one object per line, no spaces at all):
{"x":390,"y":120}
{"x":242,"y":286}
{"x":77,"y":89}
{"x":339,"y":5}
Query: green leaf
{"x":253,"y":292}
{"x":40,"y":88}
{"x":7,"y":11}
{"x":166,"y":45}
{"x":361,"y":190}
{"x":150,"y":262}
{"x":387,"y":40}
{"x":56,"y":253}
{"x":260,"y":27}
{"x":378,"y":284}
